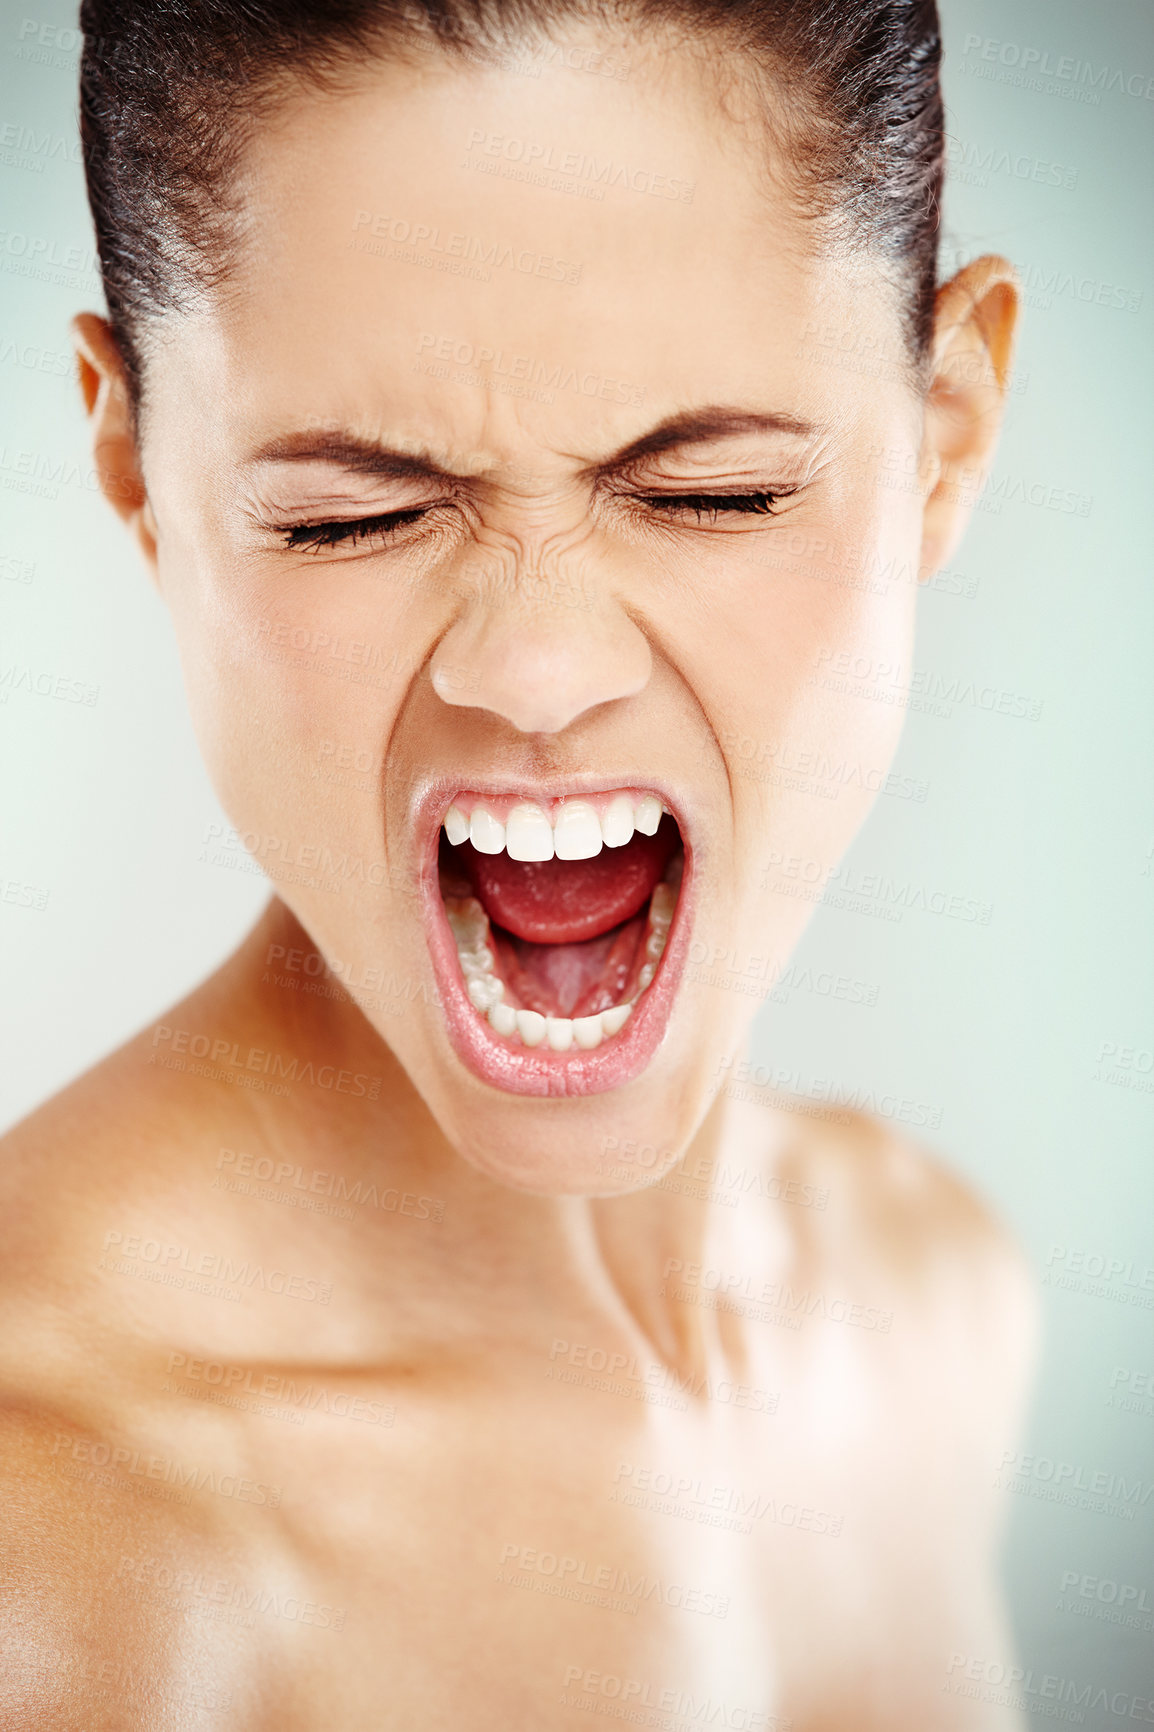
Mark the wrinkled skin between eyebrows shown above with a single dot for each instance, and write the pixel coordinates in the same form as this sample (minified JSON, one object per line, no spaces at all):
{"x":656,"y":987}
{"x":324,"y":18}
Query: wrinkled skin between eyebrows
{"x":544,"y":622}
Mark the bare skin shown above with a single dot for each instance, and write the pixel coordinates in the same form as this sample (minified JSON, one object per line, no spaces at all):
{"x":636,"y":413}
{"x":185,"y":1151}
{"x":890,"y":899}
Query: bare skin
{"x":583,"y":1427}
{"x":134,"y":1607}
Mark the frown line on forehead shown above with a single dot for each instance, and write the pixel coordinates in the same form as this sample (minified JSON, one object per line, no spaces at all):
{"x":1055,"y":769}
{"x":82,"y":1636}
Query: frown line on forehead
{"x":690,"y":427}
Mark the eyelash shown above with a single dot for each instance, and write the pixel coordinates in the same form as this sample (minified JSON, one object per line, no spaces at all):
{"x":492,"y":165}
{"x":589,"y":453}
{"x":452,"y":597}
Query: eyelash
{"x":315,"y":537}
{"x":760,"y":504}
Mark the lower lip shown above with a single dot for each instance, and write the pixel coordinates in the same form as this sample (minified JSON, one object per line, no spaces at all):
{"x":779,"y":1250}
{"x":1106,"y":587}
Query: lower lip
{"x":522,"y":1070}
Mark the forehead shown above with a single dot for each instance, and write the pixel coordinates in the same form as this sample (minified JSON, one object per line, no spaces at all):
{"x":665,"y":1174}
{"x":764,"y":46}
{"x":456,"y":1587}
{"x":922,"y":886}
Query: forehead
{"x":467,"y":255}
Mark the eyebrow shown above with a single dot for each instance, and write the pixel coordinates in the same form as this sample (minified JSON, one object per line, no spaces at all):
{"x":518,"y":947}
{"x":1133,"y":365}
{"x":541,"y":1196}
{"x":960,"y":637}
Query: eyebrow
{"x":368,"y":457}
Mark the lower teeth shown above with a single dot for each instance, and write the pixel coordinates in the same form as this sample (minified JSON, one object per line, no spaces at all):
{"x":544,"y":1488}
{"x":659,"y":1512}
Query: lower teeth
{"x":469,"y":925}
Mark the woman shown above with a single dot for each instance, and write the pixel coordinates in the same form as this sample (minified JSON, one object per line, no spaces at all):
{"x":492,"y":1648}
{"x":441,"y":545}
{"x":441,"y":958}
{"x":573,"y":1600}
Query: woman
{"x":438,"y":1330}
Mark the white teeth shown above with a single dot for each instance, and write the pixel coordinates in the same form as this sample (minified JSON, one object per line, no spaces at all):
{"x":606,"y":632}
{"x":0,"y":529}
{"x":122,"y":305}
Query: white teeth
{"x":661,"y":905}
{"x":476,"y":962}
{"x":588,"y":1032}
{"x":559,"y":1032}
{"x":655,"y":944}
{"x":485,"y":833}
{"x":617,"y":824}
{"x":456,"y":826}
{"x":648,"y":815}
{"x":531,"y":1027}
{"x":485,"y":990}
{"x":612,"y":1020}
{"x":578,"y":831}
{"x":503,"y":1018}
{"x":645,"y":978}
{"x":468,"y":922}
{"x":528,"y":834}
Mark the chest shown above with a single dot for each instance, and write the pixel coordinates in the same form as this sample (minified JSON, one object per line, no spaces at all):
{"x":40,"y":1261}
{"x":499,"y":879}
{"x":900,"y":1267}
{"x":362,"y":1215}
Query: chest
{"x":529,"y":1553}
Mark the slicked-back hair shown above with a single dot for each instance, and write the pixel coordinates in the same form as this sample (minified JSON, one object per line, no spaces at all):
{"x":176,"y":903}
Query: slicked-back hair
{"x":171,"y":91}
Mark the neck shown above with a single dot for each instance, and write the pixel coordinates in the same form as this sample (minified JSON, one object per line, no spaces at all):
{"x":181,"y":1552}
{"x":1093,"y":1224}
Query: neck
{"x":454,"y":1243}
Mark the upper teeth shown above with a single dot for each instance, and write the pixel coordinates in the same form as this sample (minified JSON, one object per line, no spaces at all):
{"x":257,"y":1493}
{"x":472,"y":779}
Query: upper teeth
{"x":578,"y":831}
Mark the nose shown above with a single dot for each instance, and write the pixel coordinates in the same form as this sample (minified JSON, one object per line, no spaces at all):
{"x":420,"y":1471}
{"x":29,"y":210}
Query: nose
{"x":541,"y":663}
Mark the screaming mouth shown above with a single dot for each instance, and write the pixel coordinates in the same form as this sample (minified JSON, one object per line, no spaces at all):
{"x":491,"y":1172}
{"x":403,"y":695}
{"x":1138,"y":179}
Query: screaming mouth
{"x":560,"y":912}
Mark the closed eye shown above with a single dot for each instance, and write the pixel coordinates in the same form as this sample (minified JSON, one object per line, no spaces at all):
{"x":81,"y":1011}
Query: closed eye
{"x":712,"y":505}
{"x":351,"y":532}
{"x":315,"y":537}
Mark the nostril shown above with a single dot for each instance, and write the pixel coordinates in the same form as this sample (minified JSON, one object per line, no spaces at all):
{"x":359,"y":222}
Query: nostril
{"x":540,"y":674}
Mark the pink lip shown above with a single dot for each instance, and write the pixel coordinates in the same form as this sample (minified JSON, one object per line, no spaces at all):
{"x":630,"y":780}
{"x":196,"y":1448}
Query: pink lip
{"x":529,"y":1070}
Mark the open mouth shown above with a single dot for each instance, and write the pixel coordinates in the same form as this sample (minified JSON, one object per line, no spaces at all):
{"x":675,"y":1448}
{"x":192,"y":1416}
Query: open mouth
{"x":558,"y":937}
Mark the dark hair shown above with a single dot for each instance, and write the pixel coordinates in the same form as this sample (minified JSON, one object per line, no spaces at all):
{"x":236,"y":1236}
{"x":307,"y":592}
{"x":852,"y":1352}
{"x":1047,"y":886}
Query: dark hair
{"x":170,"y":90}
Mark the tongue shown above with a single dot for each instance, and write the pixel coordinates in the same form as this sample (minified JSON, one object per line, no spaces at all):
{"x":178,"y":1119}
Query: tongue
{"x":564,"y":901}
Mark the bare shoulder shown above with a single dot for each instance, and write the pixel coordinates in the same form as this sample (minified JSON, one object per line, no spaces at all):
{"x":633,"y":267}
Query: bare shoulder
{"x":101,"y":1141}
{"x":77,"y":1637}
{"x":878,"y":1213}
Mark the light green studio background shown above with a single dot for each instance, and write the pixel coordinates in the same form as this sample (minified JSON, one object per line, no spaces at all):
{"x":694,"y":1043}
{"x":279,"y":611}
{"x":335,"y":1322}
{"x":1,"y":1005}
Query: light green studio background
{"x":998,"y":931}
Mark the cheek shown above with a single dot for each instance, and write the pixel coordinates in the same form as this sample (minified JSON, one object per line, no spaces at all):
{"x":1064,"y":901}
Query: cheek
{"x":294,"y":688}
{"x":810,"y":711}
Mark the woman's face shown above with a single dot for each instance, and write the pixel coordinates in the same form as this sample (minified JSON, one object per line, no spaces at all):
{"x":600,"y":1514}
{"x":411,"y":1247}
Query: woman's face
{"x":543,"y":316}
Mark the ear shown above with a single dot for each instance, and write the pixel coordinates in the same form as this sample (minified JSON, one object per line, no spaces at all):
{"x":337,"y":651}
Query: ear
{"x":975,"y":318}
{"x":104,"y":387}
